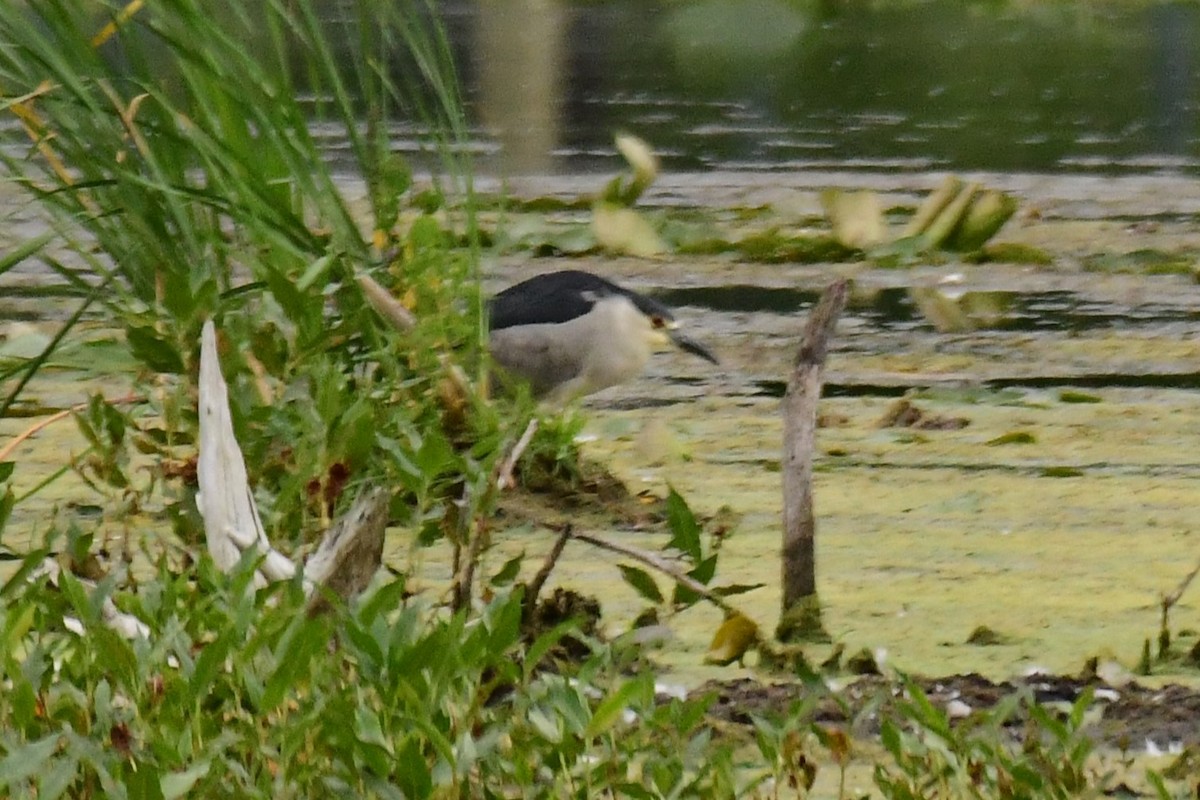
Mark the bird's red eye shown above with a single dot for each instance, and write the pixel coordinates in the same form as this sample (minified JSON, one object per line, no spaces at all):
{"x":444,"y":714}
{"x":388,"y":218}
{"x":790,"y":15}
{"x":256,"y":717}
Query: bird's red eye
{"x":658,"y":322}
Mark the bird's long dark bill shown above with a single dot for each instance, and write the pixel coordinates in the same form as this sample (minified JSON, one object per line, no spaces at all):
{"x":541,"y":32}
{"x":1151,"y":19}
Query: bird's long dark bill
{"x":693,"y":347}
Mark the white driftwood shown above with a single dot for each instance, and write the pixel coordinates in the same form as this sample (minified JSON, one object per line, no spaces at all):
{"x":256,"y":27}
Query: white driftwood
{"x":231,"y":522}
{"x":351,"y":551}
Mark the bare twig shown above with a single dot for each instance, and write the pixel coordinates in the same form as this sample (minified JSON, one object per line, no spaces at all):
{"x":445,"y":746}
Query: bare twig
{"x":50,"y":420}
{"x":543,"y":574}
{"x":1165,"y":605}
{"x":472,"y":534}
{"x":662,"y":565}
{"x":475,"y":539}
{"x":505,"y":478}
{"x":387,"y":306}
{"x":1173,"y":598}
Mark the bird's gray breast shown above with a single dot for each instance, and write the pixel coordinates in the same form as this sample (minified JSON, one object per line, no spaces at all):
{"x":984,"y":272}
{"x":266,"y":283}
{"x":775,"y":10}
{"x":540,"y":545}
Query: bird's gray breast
{"x":546,"y":355}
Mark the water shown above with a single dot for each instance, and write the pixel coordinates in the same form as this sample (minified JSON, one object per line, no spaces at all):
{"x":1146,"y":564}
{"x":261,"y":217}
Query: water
{"x":895,"y":310}
{"x":787,"y":85}
{"x":771,"y":85}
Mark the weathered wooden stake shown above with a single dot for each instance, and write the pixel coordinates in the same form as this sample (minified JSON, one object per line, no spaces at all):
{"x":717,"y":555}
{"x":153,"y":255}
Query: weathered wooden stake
{"x":800,"y":617}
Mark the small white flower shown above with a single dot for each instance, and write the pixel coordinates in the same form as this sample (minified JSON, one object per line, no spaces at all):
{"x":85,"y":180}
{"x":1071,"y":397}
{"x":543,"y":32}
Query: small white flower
{"x":957,"y":709}
{"x":672,"y":690}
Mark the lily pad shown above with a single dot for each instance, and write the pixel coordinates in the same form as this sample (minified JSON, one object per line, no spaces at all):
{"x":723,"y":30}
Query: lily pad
{"x":623,"y":230}
{"x":1013,"y":437}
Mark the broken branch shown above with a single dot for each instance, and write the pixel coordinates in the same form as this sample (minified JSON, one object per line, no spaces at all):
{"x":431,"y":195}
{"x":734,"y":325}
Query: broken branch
{"x":662,"y":565}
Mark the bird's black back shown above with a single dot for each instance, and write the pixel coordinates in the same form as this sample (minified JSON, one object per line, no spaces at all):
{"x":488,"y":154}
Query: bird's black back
{"x":560,"y":297}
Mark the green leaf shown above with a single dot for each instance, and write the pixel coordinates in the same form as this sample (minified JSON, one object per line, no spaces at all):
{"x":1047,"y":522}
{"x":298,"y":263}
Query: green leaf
{"x":435,"y":455}
{"x":302,"y":309}
{"x":6,"y":469}
{"x":702,"y":572}
{"x":634,"y":791}
{"x":142,"y":781}
{"x":316,"y":270}
{"x":732,"y":589}
{"x":1080,"y":707}
{"x":17,"y":624}
{"x":30,"y":563}
{"x":309,"y":637}
{"x":7,"y":501}
{"x":392,"y":179}
{"x":373,"y":747}
{"x":386,"y":598}
{"x":623,"y":230}
{"x":211,"y":659}
{"x":178,"y":784}
{"x":27,"y":759}
{"x":54,"y":780}
{"x":548,"y":728}
{"x":23,"y":700}
{"x":892,"y":739}
{"x":154,"y":351}
{"x":543,"y":643}
{"x":1160,"y":786}
{"x":352,"y":437}
{"x":612,"y":707}
{"x":505,"y":623}
{"x":1071,"y":396}
{"x":642,"y":583}
{"x":24,"y":250}
{"x":426,"y":233}
{"x":685,"y":531}
{"x":507,"y":573}
{"x":1013,"y":437}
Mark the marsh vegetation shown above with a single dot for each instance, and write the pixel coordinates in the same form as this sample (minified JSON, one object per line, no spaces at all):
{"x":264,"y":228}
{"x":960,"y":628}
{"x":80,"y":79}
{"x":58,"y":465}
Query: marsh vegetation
{"x":1027,"y":507}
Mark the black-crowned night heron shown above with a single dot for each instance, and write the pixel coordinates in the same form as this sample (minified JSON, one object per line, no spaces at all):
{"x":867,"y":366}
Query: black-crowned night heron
{"x":572,"y":333}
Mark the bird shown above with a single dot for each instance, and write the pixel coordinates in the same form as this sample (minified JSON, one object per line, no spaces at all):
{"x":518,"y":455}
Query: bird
{"x":572,"y":333}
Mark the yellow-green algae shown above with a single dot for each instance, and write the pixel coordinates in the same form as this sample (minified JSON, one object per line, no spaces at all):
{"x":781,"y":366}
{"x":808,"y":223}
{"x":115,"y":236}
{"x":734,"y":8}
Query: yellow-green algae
{"x":920,"y":542}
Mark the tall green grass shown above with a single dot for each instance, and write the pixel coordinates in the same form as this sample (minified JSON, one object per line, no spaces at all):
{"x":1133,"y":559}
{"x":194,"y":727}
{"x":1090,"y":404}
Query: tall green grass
{"x":172,"y":143}
{"x":172,"y":146}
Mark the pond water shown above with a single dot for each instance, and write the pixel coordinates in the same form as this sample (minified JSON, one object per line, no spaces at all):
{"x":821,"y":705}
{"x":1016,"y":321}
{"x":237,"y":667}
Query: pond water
{"x":774,"y":85}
